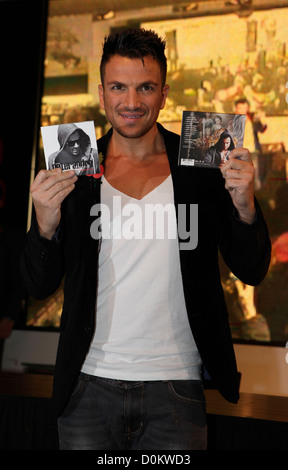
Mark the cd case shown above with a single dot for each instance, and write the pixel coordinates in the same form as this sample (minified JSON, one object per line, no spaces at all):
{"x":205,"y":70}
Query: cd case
{"x":207,"y":139}
{"x":71,"y":146}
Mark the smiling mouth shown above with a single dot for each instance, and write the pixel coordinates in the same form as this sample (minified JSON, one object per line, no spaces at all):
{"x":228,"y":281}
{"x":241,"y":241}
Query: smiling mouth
{"x":131,"y":116}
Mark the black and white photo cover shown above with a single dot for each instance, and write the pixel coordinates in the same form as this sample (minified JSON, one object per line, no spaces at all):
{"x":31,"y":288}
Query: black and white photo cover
{"x":71,"y":146}
{"x":207,"y":139}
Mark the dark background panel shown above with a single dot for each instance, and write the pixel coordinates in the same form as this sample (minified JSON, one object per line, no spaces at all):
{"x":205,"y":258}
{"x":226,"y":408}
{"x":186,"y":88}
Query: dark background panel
{"x":22,"y":35}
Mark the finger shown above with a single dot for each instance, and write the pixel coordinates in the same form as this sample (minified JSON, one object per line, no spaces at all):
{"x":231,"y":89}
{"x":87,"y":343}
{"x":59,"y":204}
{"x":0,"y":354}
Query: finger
{"x":241,"y":154}
{"x":54,"y":181}
{"x":247,"y":174}
{"x":236,"y":183}
{"x":51,"y":176}
{"x":45,"y":174}
{"x":59,"y":196}
{"x":240,"y":167}
{"x":50,"y":189}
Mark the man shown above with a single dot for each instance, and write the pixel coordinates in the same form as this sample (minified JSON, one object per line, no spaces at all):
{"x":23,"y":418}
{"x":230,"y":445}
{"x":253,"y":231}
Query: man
{"x":141,"y":317}
{"x":219,"y":153}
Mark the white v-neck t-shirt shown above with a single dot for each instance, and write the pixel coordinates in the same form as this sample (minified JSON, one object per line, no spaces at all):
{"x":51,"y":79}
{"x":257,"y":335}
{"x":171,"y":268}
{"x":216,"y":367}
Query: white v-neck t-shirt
{"x":142,"y":330}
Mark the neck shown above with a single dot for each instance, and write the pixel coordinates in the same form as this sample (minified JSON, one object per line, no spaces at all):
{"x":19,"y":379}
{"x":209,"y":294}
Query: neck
{"x":139,"y":148}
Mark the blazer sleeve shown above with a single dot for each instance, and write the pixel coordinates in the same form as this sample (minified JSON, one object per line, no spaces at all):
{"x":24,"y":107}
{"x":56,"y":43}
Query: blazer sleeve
{"x":246,"y":248}
{"x":42,"y":262}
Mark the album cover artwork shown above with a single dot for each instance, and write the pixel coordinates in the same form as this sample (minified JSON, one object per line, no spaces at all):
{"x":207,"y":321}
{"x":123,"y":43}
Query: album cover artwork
{"x":71,"y":147}
{"x":207,"y":139}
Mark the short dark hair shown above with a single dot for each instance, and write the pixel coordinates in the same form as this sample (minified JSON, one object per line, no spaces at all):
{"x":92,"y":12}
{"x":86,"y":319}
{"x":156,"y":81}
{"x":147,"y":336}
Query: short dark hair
{"x":135,"y":43}
{"x":242,"y":101}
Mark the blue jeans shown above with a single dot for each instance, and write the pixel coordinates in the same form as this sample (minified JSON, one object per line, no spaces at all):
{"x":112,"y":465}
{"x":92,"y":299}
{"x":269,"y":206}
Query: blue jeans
{"x":106,"y":414}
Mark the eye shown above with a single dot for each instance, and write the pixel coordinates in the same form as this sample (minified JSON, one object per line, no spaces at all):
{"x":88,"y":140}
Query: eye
{"x":117,"y":87}
{"x":147,"y":88}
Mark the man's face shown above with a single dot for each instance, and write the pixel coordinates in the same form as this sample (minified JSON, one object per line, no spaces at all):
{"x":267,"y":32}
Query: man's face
{"x":73,"y":144}
{"x":226,"y":143}
{"x":242,"y":108}
{"x":132,"y":95}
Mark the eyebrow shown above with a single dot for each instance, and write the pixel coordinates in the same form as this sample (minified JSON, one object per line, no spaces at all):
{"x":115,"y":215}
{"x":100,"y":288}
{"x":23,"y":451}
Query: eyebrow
{"x":116,"y":82}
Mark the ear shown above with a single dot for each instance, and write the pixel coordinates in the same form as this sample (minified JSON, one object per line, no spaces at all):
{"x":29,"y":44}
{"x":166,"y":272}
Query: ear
{"x":165,"y":91}
{"x":101,"y":96}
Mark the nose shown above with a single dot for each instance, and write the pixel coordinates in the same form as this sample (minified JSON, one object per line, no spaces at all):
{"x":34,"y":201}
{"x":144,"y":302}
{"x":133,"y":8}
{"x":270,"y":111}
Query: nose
{"x":132,"y":100}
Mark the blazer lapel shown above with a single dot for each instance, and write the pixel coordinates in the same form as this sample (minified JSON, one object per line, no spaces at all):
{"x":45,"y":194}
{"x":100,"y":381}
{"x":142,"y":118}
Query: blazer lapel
{"x":89,"y":193}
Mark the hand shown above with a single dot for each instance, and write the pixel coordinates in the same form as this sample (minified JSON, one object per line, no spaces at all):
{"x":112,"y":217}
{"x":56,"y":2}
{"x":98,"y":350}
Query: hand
{"x":48,"y":191}
{"x":239,"y":172}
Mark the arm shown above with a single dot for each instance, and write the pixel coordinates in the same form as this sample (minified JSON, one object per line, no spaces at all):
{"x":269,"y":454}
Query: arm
{"x":48,"y":191}
{"x":239,"y":172}
{"x":42,"y":263}
{"x":246,"y":248}
{"x":245,"y":243}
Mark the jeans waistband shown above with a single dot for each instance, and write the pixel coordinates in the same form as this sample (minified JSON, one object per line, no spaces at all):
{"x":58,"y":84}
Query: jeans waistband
{"x":124,"y":384}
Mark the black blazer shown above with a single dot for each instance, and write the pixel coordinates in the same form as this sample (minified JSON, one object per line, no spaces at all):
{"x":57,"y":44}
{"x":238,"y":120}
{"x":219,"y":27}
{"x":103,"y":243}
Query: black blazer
{"x":245,"y":249}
